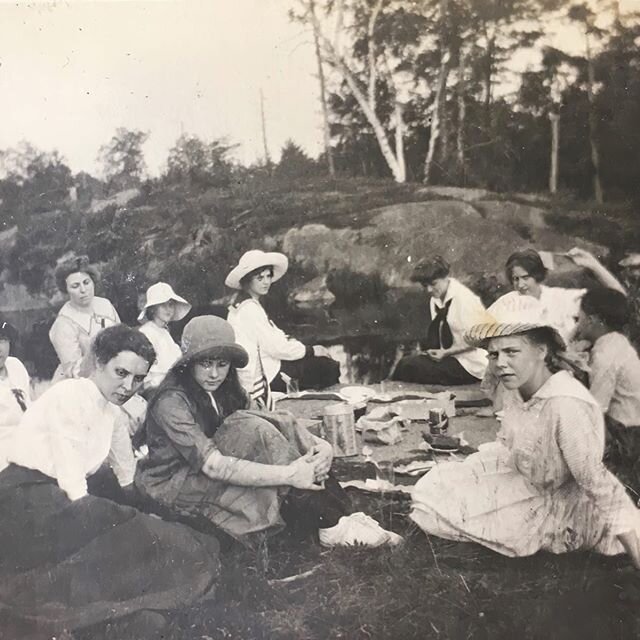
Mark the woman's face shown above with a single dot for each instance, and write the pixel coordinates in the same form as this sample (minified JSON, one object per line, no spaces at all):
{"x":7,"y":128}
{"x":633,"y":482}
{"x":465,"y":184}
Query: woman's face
{"x":518,"y":363}
{"x":523,"y":283}
{"x":210,"y":373}
{"x":260,"y":284}
{"x":121,"y":377}
{"x":163,"y":313}
{"x":437,"y":288}
{"x":80,"y":289}
{"x":5,"y":349}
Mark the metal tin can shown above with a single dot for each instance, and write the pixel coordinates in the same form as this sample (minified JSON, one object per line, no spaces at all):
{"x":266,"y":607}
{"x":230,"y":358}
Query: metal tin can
{"x":338,"y":427}
{"x":438,"y":421}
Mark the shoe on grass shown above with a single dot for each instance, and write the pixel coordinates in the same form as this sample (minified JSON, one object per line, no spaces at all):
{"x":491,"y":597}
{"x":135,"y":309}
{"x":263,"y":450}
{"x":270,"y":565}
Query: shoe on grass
{"x":358,"y":529}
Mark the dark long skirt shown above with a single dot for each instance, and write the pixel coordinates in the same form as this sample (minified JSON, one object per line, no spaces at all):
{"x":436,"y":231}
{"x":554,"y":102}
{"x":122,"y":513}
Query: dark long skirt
{"x":310,"y":372}
{"x":423,"y":370}
{"x":71,"y":564}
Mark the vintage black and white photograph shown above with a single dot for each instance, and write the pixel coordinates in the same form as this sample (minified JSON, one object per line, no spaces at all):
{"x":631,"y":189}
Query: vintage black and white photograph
{"x":319,"y":320}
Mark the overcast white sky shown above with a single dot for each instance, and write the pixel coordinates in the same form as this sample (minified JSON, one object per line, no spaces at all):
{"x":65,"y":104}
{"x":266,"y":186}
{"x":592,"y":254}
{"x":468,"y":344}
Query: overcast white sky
{"x":71,"y":72}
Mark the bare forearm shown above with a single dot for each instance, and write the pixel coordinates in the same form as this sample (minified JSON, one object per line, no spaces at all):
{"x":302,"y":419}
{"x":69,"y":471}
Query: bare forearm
{"x":606,"y":278}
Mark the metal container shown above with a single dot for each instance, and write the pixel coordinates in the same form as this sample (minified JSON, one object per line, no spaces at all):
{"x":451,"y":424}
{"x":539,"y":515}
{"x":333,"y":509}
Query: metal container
{"x":438,"y":421}
{"x":339,"y":428}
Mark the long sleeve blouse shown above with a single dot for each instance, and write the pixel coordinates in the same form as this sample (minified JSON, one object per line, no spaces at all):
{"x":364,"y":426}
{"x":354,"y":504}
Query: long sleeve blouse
{"x":167,"y":353}
{"x":266,"y":344}
{"x":73,"y":331}
{"x":69,"y":432}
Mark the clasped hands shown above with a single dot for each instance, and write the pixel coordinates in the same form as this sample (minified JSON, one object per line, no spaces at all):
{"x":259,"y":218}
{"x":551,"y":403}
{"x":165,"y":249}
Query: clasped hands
{"x":312,"y":469}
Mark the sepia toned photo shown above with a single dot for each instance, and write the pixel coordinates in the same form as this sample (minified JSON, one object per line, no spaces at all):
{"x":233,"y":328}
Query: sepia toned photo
{"x":319,"y":320}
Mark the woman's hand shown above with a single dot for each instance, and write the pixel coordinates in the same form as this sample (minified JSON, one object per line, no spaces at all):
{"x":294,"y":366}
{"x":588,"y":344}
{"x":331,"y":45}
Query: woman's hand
{"x":583,"y":258}
{"x":303,"y":471}
{"x":437,"y":354}
{"x":321,"y":352}
{"x":322,"y":457}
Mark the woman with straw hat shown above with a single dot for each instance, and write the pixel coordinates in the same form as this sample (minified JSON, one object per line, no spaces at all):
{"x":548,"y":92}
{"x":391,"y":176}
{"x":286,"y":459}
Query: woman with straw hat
{"x":162,"y":306}
{"x":542,"y":484}
{"x":218,"y":465}
{"x":269,"y":349}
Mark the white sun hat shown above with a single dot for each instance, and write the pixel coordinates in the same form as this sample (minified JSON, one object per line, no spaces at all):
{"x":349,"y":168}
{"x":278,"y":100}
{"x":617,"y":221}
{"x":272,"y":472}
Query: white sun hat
{"x":510,"y":315}
{"x":255,"y":259}
{"x":159,"y":293}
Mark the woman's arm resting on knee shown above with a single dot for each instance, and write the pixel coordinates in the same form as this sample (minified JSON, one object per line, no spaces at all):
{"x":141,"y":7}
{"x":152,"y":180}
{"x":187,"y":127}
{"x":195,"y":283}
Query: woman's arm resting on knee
{"x":299,"y":474}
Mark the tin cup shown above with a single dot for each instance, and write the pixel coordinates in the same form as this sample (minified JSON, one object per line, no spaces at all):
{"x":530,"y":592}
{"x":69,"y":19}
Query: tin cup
{"x":339,"y":428}
{"x":438,"y":421}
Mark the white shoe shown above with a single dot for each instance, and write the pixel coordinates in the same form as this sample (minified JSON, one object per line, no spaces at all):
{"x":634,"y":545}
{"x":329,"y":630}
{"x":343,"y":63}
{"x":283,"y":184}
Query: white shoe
{"x":360,"y":529}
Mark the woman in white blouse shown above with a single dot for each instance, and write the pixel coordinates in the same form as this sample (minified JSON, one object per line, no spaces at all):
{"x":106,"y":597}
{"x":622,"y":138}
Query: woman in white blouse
{"x":270,"y":349}
{"x":70,"y":559}
{"x":542,"y":484}
{"x":15,"y":389}
{"x":162,"y":306}
{"x":80,"y":319}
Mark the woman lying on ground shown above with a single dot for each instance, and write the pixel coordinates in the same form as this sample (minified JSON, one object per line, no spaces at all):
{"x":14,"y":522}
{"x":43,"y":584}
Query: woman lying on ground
{"x":162,"y":306}
{"x":80,"y":319}
{"x":15,"y":388}
{"x":220,"y":466}
{"x":270,"y":350}
{"x":70,"y":559}
{"x":542,"y":484}
{"x":526,"y":272}
{"x":614,"y":379}
{"x":453,"y":308}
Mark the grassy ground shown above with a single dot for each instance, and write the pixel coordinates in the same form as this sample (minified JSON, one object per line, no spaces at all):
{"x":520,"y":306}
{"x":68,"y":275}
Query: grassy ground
{"x":429,"y":588}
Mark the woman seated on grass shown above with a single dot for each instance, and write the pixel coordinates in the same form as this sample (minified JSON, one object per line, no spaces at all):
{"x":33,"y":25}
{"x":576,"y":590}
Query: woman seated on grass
{"x":70,"y":559}
{"x":542,"y":484}
{"x":614,"y":378}
{"x":453,"y":308}
{"x":270,"y":350}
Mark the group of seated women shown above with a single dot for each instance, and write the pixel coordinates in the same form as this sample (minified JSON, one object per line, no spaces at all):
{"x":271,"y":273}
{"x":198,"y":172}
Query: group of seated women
{"x":222,"y":464}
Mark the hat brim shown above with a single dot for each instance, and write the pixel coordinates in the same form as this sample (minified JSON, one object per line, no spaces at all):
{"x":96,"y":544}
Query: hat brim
{"x":234,"y":353}
{"x":480,"y":334}
{"x":180,"y":311}
{"x":278,"y":261}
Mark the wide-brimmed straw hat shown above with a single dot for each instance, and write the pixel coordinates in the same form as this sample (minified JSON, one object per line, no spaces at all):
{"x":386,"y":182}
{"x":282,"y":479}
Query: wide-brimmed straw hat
{"x":254,"y":259}
{"x":210,"y":337}
{"x":510,"y":315}
{"x":159,"y":293}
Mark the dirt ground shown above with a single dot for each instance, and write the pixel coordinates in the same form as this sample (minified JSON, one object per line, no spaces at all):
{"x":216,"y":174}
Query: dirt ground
{"x":426,"y":589}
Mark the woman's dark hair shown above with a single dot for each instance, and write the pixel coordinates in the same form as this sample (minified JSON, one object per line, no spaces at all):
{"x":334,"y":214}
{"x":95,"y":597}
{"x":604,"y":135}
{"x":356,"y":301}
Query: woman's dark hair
{"x":230,"y":396}
{"x":530,"y":261}
{"x":246,"y":279}
{"x":74,"y":264}
{"x":113,"y":340}
{"x":548,"y":337}
{"x":430,"y":269}
{"x":7,"y":332}
{"x":611,"y":306}
{"x":149,"y":312}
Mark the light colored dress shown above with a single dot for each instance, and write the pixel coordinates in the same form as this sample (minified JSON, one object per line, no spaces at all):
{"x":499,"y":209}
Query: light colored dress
{"x":541,"y":485}
{"x":15,"y":393}
{"x":167,"y":353}
{"x":73,"y":332}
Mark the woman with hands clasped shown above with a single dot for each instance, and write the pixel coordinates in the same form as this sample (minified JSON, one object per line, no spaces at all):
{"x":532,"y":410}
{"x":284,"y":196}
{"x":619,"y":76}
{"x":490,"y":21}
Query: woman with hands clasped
{"x":220,"y":465}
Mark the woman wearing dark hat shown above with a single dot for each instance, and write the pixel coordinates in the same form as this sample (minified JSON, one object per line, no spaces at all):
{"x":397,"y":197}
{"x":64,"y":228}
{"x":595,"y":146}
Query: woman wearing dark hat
{"x":71,"y":559}
{"x":542,"y":484}
{"x":219,"y":466}
{"x":454,"y":308}
{"x":80,"y":319}
{"x":270,"y":350}
{"x":15,"y":388}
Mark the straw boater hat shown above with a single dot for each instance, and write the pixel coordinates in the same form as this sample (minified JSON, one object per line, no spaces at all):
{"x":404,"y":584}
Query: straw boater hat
{"x":253,"y":260}
{"x":210,"y":337}
{"x":161,"y":292}
{"x":510,"y":315}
